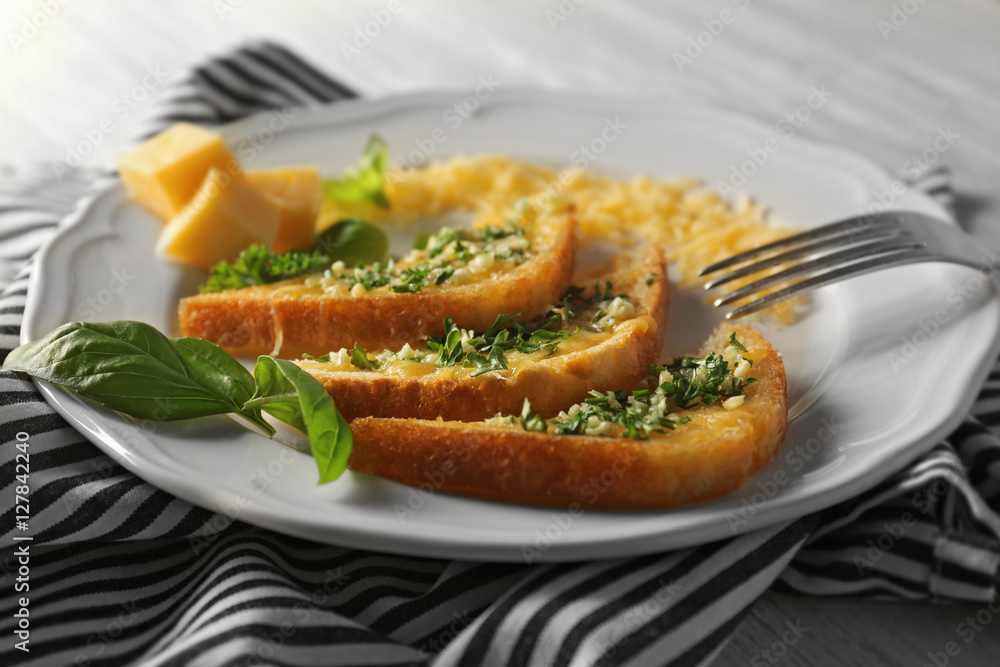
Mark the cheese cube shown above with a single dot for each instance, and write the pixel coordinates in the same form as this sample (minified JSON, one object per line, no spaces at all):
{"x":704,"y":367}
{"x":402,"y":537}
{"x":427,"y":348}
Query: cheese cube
{"x":164,"y":172}
{"x":225,"y":216}
{"x":298,"y":194}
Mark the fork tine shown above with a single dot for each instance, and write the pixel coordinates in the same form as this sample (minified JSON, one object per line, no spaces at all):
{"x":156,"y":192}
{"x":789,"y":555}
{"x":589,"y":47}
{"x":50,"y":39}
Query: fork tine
{"x":858,"y":269}
{"x":830,"y":261}
{"x":834,"y":229}
{"x":815,"y":248}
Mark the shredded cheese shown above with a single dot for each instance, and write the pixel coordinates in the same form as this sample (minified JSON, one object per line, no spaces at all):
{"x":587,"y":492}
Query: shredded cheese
{"x":695,"y":225}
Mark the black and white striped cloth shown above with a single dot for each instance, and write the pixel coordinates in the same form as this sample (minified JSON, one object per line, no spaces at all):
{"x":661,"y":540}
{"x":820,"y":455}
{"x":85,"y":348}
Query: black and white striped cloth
{"x":123,"y":573}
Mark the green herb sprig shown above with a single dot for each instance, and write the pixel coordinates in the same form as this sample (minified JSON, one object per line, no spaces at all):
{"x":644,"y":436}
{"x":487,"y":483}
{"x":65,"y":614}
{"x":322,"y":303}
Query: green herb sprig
{"x":132,"y":368}
{"x":351,"y":241}
{"x":702,"y":381}
{"x":639,"y":413}
{"x":487,"y":351}
{"x":364,"y":182}
{"x":257,"y":265}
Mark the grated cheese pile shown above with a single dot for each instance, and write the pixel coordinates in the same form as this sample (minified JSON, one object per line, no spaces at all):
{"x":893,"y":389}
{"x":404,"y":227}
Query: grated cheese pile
{"x":695,"y":225}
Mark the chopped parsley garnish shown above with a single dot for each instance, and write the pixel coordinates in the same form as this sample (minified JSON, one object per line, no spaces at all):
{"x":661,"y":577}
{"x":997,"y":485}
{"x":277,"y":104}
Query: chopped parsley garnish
{"x":259,"y":266}
{"x":702,"y":380}
{"x":736,"y":344}
{"x":529,"y":420}
{"x":364,"y":182}
{"x":683,"y":383}
{"x":485,"y":352}
{"x":413,"y":280}
{"x":437,"y":259}
{"x":359,"y":359}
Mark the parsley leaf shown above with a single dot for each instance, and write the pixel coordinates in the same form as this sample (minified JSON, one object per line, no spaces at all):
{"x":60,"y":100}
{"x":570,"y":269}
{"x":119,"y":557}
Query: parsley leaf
{"x":259,"y":266}
{"x":413,"y":280}
{"x":529,"y":420}
{"x":366,"y":181}
{"x":359,"y":359}
{"x":495,"y":362}
{"x":640,"y":413}
{"x":449,"y":348}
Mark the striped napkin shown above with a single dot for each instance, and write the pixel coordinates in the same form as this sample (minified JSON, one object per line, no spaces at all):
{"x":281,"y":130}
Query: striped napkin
{"x":123,"y":573}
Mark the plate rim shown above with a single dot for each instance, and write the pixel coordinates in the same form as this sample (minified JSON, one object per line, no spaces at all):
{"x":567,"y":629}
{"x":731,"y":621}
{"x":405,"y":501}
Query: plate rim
{"x":346,"y":111}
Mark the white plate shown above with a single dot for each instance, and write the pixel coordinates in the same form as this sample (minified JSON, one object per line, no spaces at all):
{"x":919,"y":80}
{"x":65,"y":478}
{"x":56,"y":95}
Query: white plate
{"x":858,"y":413}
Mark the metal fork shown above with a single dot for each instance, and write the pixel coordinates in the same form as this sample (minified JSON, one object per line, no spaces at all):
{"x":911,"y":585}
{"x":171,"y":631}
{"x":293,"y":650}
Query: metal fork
{"x":842,"y":250}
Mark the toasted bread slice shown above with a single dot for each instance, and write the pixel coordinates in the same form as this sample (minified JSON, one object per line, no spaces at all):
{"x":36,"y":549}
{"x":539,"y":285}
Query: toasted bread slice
{"x":603,"y":354}
{"x":707,"y":457}
{"x":319,"y":313}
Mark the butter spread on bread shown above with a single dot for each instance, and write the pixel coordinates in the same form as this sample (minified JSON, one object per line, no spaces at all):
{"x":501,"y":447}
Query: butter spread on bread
{"x":708,"y":455}
{"x":381,"y":306}
{"x":602,"y":337}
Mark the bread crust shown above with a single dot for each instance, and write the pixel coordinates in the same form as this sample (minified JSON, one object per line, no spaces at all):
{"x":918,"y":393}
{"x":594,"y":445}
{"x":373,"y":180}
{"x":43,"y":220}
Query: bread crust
{"x":552,"y":384}
{"x":708,"y":457}
{"x":264,"y":319}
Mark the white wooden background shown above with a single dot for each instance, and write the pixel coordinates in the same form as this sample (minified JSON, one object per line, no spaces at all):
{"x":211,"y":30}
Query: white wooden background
{"x":897,"y":71}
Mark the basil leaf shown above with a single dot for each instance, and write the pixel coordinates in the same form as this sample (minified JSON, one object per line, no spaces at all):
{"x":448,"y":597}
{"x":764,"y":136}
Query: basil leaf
{"x":366,"y":181}
{"x":420,"y":242}
{"x":126,"y":366}
{"x":292,"y":395}
{"x":354,"y":241}
{"x":216,"y":369}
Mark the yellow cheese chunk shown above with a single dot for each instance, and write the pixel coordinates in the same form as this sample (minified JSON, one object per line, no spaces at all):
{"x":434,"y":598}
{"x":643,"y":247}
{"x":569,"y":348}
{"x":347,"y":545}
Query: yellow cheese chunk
{"x":164,"y":172}
{"x":225,"y":217}
{"x":297,"y":193}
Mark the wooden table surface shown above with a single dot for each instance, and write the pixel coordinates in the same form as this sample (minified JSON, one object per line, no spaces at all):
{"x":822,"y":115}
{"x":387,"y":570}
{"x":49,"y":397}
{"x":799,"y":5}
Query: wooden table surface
{"x":897,"y":72}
